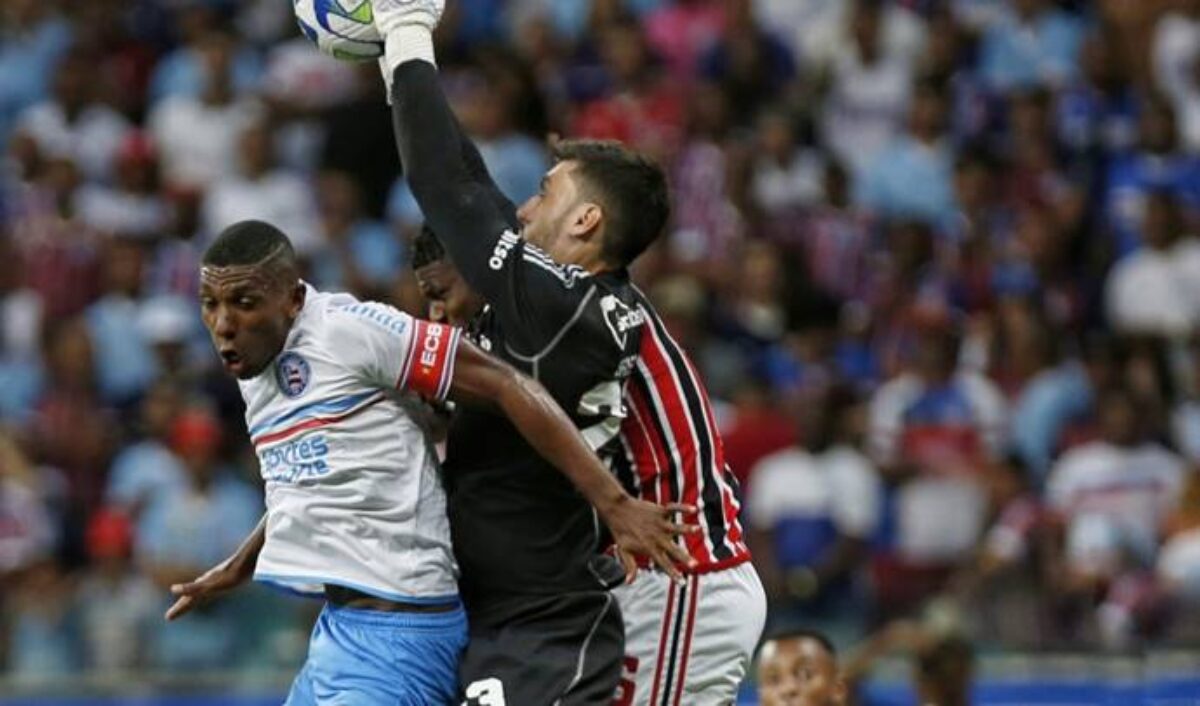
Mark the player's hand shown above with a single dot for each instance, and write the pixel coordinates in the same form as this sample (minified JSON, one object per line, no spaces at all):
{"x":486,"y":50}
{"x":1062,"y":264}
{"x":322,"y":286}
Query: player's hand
{"x":215,"y":582}
{"x":641,"y":528}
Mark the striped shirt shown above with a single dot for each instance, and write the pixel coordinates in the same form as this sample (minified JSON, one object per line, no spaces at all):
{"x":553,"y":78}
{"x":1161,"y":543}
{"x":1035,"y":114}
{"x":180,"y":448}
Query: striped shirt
{"x":672,"y":449}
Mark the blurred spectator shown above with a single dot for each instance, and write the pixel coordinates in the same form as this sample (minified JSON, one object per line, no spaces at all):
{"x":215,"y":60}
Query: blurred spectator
{"x":748,"y":61}
{"x":818,"y":30}
{"x":488,"y":112}
{"x":117,"y":606}
{"x":869,"y":92}
{"x":184,"y":71}
{"x":197,"y":135}
{"x":786,"y":178}
{"x":1156,"y":289}
{"x":814,"y":510}
{"x":58,"y":253}
{"x":1032,"y":43}
{"x":27,"y":532}
{"x":44,"y":630}
{"x":20,"y":337}
{"x":124,"y":365}
{"x":1176,"y":57}
{"x":1097,"y":114}
{"x":707,"y":227}
{"x":356,"y":252}
{"x":71,"y":429}
{"x":187,"y":531}
{"x":1157,"y":163}
{"x":132,"y":206}
{"x":681,"y":31}
{"x":261,"y":190}
{"x":32,"y":39}
{"x":643,"y":107}
{"x":1113,"y":496}
{"x":1178,"y":564}
{"x":146,"y":471}
{"x":932,"y":430}
{"x":72,"y":124}
{"x":910,"y":177}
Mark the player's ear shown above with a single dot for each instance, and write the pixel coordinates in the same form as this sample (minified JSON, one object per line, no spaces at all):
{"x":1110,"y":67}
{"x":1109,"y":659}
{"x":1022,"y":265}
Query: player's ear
{"x":586,"y":220}
{"x":297,"y":301}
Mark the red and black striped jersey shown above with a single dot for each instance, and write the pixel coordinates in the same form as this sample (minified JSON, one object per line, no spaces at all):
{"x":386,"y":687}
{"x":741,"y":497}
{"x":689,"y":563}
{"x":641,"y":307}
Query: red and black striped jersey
{"x":672,"y":450}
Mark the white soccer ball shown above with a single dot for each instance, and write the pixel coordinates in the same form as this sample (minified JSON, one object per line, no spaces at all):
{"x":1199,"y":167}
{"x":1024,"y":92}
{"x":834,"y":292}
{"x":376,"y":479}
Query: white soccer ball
{"x":343,"y":29}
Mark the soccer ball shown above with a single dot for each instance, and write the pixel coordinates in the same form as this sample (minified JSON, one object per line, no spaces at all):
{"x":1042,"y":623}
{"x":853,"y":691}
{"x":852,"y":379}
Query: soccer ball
{"x":343,"y":29}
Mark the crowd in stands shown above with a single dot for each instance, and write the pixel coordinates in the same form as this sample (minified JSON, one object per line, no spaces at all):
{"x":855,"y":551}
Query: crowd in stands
{"x":937,"y":261}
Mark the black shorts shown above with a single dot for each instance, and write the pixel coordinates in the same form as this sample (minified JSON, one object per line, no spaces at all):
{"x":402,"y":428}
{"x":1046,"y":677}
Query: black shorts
{"x":545,"y":651}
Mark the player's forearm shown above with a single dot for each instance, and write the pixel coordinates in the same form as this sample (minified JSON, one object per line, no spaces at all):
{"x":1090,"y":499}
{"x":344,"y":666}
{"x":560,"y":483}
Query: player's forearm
{"x":244,"y":559}
{"x":552,"y":434}
{"x":462,"y":211}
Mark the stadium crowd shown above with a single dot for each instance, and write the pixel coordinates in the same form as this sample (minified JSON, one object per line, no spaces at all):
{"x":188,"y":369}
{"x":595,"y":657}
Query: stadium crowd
{"x":936,"y":260}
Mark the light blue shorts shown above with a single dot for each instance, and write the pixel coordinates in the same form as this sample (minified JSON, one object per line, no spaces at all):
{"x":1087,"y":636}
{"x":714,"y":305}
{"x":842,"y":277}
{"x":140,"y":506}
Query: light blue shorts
{"x":371,"y":658}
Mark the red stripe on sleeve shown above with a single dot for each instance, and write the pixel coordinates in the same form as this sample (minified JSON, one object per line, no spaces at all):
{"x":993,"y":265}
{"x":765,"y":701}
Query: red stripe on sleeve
{"x":430,"y":360}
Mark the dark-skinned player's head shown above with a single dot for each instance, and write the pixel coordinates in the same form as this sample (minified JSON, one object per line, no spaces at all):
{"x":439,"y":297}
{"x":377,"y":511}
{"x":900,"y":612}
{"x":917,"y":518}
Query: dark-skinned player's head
{"x":451,"y":299}
{"x":250,"y":294}
{"x":599,"y":207}
{"x":800,"y":669}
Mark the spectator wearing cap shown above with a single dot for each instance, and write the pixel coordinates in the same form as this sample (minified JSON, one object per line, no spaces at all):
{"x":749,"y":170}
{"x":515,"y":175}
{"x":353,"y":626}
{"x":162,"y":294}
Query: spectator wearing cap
{"x":133,"y":206}
{"x":186,"y":531}
{"x":932,"y":428}
{"x":73,"y":124}
{"x":117,"y":606}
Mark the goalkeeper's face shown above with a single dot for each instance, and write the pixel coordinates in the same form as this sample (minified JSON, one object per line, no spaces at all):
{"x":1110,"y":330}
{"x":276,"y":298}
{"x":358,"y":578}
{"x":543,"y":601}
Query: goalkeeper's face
{"x":248,"y":311}
{"x":561,"y":219}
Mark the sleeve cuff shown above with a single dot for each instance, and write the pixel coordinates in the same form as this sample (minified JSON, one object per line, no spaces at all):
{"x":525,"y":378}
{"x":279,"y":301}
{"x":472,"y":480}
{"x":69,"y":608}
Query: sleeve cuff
{"x":407,"y":43}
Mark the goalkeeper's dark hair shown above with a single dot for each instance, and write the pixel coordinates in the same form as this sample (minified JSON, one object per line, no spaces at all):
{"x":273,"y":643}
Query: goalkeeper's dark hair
{"x":249,"y":243}
{"x":630,"y":187}
{"x":427,"y":249}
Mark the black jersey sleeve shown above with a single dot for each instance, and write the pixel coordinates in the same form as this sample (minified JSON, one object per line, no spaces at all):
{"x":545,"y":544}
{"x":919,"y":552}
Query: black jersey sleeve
{"x":475,"y":222}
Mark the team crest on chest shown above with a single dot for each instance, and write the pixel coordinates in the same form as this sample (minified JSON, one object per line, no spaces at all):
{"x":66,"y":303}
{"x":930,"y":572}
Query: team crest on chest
{"x":292,"y":374}
{"x":621,"y":318}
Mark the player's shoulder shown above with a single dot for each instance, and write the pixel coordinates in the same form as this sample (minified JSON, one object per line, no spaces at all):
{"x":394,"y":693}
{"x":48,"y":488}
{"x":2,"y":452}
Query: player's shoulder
{"x":342,"y":319}
{"x":614,"y":311}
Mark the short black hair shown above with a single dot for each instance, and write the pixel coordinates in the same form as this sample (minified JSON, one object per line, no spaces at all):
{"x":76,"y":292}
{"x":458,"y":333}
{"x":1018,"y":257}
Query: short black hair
{"x":805,"y":634}
{"x":249,"y":243}
{"x":631,"y":187}
{"x":427,"y":249}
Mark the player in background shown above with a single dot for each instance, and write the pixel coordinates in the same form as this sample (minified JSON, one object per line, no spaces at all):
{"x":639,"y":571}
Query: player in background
{"x":800,"y":669}
{"x":356,"y":512}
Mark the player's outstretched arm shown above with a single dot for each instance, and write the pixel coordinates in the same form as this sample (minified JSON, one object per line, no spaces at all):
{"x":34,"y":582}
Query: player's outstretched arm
{"x":638,"y":527}
{"x":444,"y":171}
{"x":222,"y":578}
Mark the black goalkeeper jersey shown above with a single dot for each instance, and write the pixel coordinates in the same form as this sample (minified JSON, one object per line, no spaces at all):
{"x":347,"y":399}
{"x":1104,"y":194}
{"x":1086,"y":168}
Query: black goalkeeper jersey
{"x":519,"y":526}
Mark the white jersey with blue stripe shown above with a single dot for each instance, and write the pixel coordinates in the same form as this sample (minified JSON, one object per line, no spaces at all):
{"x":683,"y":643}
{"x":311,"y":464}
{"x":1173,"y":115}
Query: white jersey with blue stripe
{"x":353,"y":492}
